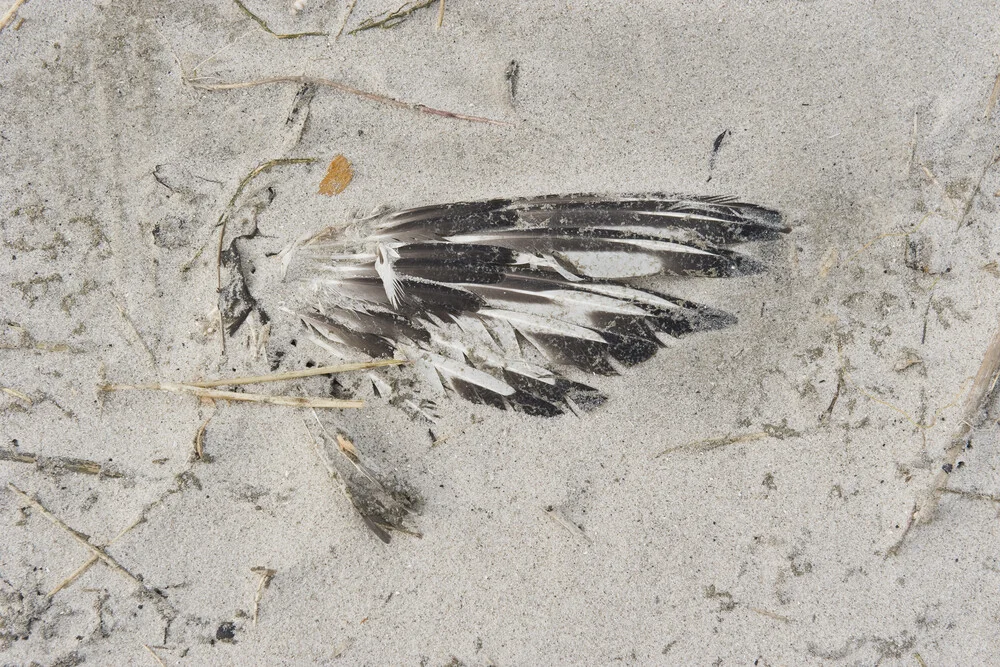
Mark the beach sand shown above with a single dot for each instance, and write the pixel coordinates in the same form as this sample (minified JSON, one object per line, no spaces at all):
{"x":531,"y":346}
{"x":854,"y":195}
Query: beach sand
{"x":742,"y":499}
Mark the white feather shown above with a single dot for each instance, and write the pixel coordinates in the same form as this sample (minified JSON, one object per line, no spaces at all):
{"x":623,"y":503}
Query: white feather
{"x":385,"y":257}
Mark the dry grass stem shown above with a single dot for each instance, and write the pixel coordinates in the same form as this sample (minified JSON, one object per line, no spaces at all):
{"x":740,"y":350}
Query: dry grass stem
{"x":294,"y":375}
{"x":973,"y":495}
{"x":60,"y":463}
{"x":267,"y":29}
{"x":17,"y":394}
{"x":441,"y":16}
{"x":715,"y":443}
{"x":10,"y":14}
{"x":288,"y":401}
{"x":347,"y":17}
{"x":224,"y":217}
{"x":982,"y":388}
{"x":266,"y":575}
{"x":97,"y":551}
{"x":155,"y":657}
{"x":888,"y":235}
{"x":563,"y":521}
{"x":991,"y":104}
{"x":393,"y":18}
{"x":135,"y":330}
{"x":975,"y":191}
{"x":73,"y":577}
{"x":344,"y":88}
{"x":199,"y":440}
{"x":770,"y":614}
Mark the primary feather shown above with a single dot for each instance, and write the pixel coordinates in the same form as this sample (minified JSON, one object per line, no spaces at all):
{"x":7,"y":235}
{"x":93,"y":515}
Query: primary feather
{"x":489,"y":298}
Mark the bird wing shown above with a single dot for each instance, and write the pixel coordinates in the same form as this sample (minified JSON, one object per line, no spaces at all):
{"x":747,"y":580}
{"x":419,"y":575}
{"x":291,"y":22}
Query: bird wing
{"x":491,"y":299}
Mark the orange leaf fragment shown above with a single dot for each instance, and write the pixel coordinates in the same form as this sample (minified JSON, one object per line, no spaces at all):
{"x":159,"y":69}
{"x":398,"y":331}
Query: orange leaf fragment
{"x":338,"y":177}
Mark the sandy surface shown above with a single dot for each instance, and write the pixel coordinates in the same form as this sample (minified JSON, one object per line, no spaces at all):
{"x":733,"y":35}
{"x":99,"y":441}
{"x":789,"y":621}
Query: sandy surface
{"x":866,"y":123}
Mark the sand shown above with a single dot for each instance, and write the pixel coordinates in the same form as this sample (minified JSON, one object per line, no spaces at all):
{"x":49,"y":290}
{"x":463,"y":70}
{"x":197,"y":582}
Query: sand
{"x":741,"y":499}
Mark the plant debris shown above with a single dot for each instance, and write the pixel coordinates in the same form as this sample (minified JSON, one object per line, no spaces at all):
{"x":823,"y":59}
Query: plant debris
{"x":394,"y":18}
{"x":60,"y":464}
{"x":288,"y":401}
{"x":202,"y":84}
{"x":267,"y":29}
{"x":338,"y":176}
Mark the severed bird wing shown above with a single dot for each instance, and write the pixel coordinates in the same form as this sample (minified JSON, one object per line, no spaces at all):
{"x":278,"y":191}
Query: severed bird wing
{"x":491,"y":299}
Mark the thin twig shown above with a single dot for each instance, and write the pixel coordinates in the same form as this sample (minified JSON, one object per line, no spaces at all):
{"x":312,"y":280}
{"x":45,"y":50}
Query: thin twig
{"x":344,"y":88}
{"x":982,"y":388}
{"x":913,"y":147}
{"x":224,"y":217}
{"x":714,"y":443}
{"x":17,"y":394}
{"x":97,"y":551}
{"x":294,"y":375}
{"x":153,"y":653}
{"x":975,"y":191}
{"x":992,"y":102}
{"x":393,"y":18}
{"x":347,"y":17}
{"x":135,"y":330}
{"x":440,"y":15}
{"x":266,"y":574}
{"x":975,"y":495}
{"x":289,"y":401}
{"x":66,"y":463}
{"x":11,"y":13}
{"x":888,"y":235}
{"x":267,"y":29}
{"x":199,"y":439}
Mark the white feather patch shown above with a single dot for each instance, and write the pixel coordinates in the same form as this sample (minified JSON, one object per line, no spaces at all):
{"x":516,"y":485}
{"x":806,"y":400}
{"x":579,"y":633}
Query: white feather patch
{"x":385,"y":257}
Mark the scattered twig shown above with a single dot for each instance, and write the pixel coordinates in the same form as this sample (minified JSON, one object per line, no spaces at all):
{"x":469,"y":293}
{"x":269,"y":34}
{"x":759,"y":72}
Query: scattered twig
{"x":344,"y":88}
{"x":155,"y":657}
{"x":199,"y":439}
{"x":982,"y":388}
{"x":992,"y":102}
{"x":913,"y":147}
{"x":771,"y":614}
{"x":944,"y":192}
{"x":11,"y":13}
{"x":64,"y":463}
{"x":93,"y":559}
{"x":559,"y":516}
{"x":927,"y":310}
{"x":825,"y":417}
{"x":714,"y":443}
{"x":393,"y":18}
{"x":267,"y":29}
{"x":888,"y":235}
{"x":435,"y":441}
{"x":974,"y":495}
{"x":289,"y":401}
{"x":266,"y":575}
{"x":441,"y":17}
{"x":224,"y":217}
{"x":135,"y":330}
{"x":347,"y":17}
{"x":975,"y":191}
{"x":79,"y":537}
{"x":512,"y":75}
{"x":294,"y":375}
{"x":17,"y":394}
